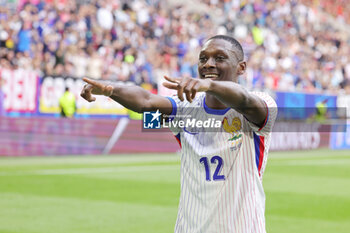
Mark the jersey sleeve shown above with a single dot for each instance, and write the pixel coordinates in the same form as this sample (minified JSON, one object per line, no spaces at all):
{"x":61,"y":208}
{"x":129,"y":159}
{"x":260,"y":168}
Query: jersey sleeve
{"x":271,"y":105}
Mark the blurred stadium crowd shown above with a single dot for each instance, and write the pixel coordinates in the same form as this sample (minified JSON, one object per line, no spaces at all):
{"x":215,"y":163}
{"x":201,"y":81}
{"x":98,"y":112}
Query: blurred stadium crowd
{"x":289,"y":45}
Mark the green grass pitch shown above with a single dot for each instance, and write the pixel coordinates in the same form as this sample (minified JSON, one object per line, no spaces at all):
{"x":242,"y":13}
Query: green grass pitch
{"x":306,"y":192}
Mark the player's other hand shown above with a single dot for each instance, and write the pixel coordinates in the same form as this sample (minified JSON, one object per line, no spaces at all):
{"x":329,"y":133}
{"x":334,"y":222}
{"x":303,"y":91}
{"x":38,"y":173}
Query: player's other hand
{"x":189,"y":86}
{"x":94,"y":87}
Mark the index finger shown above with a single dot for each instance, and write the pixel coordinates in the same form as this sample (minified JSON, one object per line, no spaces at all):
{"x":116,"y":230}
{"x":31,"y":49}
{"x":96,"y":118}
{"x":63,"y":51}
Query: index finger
{"x":93,"y":82}
{"x":172,"y":80}
{"x":86,"y":93}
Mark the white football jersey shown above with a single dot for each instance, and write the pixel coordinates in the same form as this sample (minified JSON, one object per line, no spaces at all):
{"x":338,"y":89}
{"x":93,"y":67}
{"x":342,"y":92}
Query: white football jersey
{"x":221,"y":172}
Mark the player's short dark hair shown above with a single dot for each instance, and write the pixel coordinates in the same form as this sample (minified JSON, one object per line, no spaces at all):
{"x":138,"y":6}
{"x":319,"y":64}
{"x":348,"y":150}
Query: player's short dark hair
{"x":235,"y":44}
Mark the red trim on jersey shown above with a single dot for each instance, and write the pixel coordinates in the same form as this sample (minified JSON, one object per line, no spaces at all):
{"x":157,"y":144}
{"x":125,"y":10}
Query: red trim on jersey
{"x":267,"y":117}
{"x":261,"y":152}
{"x":178,"y":139}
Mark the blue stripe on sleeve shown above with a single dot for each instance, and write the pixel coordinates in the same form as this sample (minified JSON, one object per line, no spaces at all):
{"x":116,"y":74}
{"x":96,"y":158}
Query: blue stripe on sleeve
{"x":174,"y":107}
{"x":257,"y":149}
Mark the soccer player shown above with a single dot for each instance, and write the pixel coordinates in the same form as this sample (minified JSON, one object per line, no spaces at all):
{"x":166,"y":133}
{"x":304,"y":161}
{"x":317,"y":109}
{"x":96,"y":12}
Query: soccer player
{"x":221,"y":171}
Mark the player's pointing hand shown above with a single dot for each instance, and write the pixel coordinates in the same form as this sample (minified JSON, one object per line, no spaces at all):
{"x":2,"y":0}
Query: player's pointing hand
{"x":95,"y":88}
{"x":189,"y":86}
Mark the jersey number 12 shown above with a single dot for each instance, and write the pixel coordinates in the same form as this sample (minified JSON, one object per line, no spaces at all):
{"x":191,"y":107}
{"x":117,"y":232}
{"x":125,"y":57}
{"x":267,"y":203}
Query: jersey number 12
{"x":215,"y":159}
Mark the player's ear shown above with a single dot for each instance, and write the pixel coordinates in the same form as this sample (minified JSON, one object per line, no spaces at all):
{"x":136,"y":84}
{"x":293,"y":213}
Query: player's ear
{"x":241,"y":67}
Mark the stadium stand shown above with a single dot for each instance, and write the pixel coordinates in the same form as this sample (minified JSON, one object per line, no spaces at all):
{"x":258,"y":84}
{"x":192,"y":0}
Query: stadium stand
{"x":290,"y":46}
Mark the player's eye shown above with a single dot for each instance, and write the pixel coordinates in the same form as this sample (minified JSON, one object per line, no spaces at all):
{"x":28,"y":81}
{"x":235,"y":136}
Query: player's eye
{"x":202,"y":59}
{"x":219,"y":58}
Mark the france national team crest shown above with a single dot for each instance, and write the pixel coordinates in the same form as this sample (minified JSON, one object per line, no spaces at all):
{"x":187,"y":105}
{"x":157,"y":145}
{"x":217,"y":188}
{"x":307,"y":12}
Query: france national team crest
{"x":235,"y":130}
{"x":151,"y":120}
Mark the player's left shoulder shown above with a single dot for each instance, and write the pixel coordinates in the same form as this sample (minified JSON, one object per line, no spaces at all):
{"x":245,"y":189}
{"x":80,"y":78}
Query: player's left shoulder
{"x":271,"y":116}
{"x":266,"y":97}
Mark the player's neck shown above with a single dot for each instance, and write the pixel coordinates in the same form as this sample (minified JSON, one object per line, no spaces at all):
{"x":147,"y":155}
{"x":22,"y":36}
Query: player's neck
{"x":212,"y":102}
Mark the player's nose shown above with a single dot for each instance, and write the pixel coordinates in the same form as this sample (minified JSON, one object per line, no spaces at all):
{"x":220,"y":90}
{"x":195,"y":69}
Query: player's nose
{"x":210,"y":63}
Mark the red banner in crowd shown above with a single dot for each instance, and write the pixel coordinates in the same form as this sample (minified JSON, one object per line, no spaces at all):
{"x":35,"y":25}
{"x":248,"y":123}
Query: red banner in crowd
{"x":20,"y":90}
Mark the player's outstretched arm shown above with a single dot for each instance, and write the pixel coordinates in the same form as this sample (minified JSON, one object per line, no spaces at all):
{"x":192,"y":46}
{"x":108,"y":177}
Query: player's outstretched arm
{"x":132,"y":97}
{"x":229,"y":93}
{"x":235,"y":96}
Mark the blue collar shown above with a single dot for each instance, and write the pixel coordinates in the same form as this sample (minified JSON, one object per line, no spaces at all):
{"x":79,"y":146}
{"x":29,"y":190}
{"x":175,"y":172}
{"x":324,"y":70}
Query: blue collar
{"x":214,"y":111}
